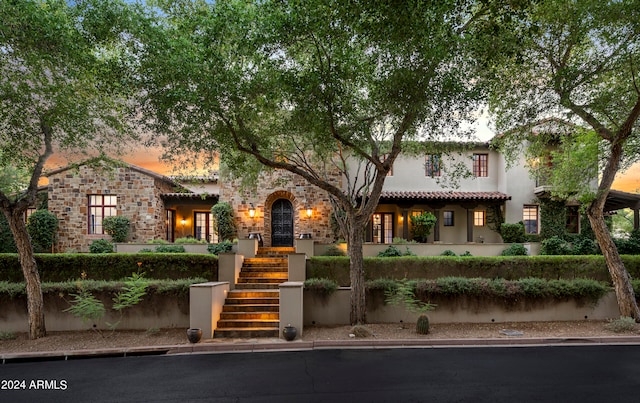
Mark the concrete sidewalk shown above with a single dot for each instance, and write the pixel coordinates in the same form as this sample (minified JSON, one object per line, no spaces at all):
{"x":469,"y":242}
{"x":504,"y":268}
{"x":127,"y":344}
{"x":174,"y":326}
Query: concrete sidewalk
{"x":273,"y":344}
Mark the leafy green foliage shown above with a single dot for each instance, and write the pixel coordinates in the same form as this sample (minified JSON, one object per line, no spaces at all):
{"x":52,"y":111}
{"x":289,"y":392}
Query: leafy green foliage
{"x":101,"y":246}
{"x":170,"y":249}
{"x":224,"y":223}
{"x":113,"y":266}
{"x":422,"y":224}
{"x":86,"y":307}
{"x":7,"y":243}
{"x":621,"y":325}
{"x":323,"y":285}
{"x":448,"y":252}
{"x":516,"y":249}
{"x":42,"y":226}
{"x":404,"y":294}
{"x":630,"y":246}
{"x":220,"y":247}
{"x":555,"y":246}
{"x":333,"y":250}
{"x":392,"y":251}
{"x":507,"y":267}
{"x":512,"y":233}
{"x":7,"y":335}
{"x":117,"y":227}
{"x":189,"y":240}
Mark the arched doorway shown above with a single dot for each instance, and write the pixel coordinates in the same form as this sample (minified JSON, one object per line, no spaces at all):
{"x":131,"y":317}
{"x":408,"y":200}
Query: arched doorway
{"x":282,"y":223}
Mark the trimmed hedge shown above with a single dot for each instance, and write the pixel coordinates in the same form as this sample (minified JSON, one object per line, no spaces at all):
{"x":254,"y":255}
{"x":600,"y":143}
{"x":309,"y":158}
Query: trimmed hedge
{"x":507,"y":267}
{"x":507,"y":290}
{"x":112,"y":266}
{"x":160,"y":287}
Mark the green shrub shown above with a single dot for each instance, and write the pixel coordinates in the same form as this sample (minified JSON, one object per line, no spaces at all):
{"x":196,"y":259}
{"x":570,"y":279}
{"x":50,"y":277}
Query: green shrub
{"x":621,"y":325}
{"x":421,"y":225}
{"x":7,"y":243}
{"x":7,"y":335}
{"x":220,"y":247}
{"x":516,"y":249}
{"x":391,"y":251}
{"x":554,"y":246}
{"x":42,"y":226}
{"x":630,"y":246}
{"x":585,"y":246}
{"x":145,"y":250}
{"x":117,"y":227}
{"x":170,"y":249}
{"x":333,"y":250}
{"x":512,"y":233}
{"x":223,"y":222}
{"x":466,"y":253}
{"x":323,"y":285}
{"x":101,"y":246}
{"x":157,"y":241}
{"x":189,"y":240}
{"x":448,"y":252}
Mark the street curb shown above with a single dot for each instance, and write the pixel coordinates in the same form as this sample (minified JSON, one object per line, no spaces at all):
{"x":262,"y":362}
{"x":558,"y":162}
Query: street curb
{"x":301,"y":345}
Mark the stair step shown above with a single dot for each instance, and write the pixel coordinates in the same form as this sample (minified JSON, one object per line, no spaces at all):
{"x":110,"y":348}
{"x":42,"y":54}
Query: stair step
{"x":264,"y":274}
{"x":252,"y":301}
{"x":251,"y":308}
{"x":253,"y":293}
{"x":266,"y":280}
{"x":256,"y":286}
{"x":250,"y":315}
{"x":246,"y":333}
{"x":244,"y":323}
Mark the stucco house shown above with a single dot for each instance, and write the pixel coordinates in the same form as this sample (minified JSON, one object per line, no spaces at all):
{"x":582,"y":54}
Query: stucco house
{"x":284,"y":207}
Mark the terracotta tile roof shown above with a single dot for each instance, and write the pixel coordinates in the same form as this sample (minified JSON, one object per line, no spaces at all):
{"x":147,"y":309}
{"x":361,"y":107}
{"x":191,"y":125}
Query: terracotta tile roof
{"x":444,"y":195}
{"x":190,"y":195}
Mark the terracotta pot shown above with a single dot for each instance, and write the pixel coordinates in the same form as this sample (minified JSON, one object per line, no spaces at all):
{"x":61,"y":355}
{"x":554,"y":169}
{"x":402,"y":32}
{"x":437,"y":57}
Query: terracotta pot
{"x":194,"y":335}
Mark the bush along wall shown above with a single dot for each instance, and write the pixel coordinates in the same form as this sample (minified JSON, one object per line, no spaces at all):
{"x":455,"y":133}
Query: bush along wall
{"x":113,"y":266}
{"x":507,"y":267}
{"x":507,"y":291}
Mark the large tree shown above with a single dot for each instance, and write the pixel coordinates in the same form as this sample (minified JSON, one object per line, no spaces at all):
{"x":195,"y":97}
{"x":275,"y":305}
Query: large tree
{"x":311,"y":87}
{"x":578,"y":61}
{"x":63,"y":88}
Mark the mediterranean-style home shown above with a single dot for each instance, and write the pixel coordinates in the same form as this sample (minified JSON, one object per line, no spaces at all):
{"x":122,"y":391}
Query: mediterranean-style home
{"x":284,"y":207}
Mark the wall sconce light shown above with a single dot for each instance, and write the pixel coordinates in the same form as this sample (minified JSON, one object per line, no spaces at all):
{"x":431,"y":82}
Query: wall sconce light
{"x":309,"y":212}
{"x":183,"y":222}
{"x":252,"y":210}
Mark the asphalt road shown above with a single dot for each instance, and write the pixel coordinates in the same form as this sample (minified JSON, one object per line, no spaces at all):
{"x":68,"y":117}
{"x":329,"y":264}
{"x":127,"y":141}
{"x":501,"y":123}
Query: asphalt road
{"x":487,"y":374}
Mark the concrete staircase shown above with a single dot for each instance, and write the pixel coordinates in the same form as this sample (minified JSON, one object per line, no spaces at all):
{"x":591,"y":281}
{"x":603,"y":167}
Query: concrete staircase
{"x":253,"y":308}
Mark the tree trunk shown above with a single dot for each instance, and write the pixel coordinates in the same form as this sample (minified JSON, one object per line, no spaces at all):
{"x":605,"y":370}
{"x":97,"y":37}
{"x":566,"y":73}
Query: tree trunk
{"x":356,"y":272}
{"x":35,"y":302}
{"x":619,"y":274}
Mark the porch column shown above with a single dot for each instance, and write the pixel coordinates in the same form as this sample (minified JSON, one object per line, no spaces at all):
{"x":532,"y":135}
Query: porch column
{"x":405,"y":223}
{"x":469,"y":225}
{"x":636,"y":219}
{"x":436,"y":227}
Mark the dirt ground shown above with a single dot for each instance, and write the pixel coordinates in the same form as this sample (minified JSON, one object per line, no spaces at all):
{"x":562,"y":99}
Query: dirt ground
{"x":83,"y":340}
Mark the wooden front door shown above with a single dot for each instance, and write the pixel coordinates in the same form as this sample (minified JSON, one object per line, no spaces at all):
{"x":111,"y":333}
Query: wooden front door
{"x":282,"y":223}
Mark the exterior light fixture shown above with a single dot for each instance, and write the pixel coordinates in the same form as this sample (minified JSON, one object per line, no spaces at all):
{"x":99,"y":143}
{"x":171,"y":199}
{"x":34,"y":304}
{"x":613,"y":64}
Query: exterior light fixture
{"x":252,"y":210}
{"x":309,"y":212}
{"x":183,"y":222}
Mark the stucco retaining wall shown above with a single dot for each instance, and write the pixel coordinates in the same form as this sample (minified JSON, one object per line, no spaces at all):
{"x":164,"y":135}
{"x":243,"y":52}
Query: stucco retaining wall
{"x":173,"y":312}
{"x":334,"y":310}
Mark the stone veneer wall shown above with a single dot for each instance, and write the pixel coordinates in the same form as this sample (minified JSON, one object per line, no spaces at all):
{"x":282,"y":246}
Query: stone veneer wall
{"x":138,"y":199}
{"x":280,"y":185}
